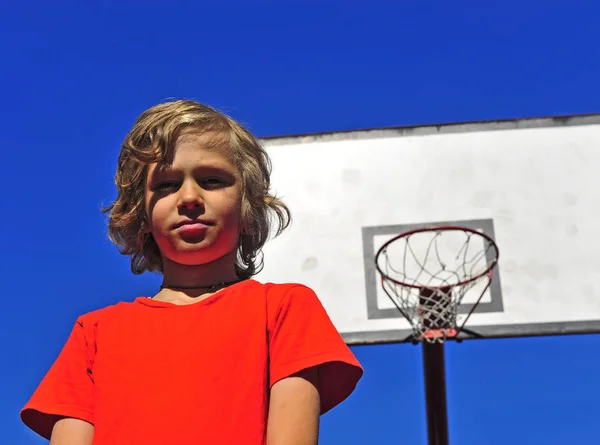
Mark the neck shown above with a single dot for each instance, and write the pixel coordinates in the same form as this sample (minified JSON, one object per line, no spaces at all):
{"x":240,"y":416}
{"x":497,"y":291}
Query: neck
{"x":199,"y":277}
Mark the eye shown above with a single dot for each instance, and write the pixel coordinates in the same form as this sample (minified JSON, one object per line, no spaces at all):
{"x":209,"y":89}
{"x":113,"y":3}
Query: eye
{"x":213,"y":182}
{"x":166,"y":185}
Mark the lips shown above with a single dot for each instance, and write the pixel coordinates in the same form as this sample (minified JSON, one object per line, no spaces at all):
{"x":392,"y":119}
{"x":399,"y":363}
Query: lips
{"x":191,"y":224}
{"x":191,"y":230}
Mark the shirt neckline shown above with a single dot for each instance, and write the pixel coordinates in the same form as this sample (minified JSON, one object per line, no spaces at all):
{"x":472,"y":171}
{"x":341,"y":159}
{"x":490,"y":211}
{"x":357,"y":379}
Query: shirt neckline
{"x":150,"y":302}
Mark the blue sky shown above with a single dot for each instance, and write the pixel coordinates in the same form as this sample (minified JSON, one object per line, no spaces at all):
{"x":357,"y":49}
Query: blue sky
{"x":74,"y":76}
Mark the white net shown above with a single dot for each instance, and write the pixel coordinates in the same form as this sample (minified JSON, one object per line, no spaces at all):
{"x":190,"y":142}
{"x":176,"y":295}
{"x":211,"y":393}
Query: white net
{"x":428,"y":273}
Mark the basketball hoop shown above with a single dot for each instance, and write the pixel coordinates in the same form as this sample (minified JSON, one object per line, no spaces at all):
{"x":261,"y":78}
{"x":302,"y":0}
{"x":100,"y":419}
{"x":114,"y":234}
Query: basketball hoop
{"x":429,"y":272}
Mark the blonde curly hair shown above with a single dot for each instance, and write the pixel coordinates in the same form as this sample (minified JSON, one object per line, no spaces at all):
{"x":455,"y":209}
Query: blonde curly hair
{"x":152,"y":139}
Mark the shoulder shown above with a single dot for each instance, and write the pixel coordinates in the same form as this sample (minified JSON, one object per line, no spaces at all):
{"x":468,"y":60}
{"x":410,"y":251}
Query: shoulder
{"x":295,"y":306}
{"x":279,"y":292}
{"x":282,"y":296}
{"x":107,"y":311}
{"x":96,"y":316}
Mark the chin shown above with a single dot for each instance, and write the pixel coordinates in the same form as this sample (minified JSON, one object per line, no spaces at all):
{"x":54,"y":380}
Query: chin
{"x":200,"y":256}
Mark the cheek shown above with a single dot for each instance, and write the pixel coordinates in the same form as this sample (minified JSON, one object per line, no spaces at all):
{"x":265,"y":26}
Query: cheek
{"x":231,"y":214}
{"x":156,"y":215}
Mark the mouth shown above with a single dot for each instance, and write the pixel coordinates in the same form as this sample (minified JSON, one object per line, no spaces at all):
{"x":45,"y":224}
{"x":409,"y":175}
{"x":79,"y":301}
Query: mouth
{"x":192,"y":224}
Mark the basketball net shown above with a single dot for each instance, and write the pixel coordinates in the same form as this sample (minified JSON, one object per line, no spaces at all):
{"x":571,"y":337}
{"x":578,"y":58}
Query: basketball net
{"x":428,"y":273}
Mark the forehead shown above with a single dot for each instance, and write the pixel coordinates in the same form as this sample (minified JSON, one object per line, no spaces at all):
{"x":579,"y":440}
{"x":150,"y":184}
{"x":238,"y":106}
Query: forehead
{"x":194,"y":147}
{"x":190,"y":142}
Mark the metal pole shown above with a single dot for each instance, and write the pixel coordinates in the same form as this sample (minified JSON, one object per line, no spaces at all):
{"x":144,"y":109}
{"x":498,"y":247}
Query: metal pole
{"x":434,"y":370}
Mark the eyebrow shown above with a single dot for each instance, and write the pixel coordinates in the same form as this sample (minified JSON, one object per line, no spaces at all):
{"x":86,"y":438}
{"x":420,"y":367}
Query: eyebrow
{"x":205,"y":167}
{"x":225,"y":170}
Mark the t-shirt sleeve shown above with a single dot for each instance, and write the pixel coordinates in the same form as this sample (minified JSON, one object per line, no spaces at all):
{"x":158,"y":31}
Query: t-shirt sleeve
{"x":67,"y":389}
{"x":301,"y":336}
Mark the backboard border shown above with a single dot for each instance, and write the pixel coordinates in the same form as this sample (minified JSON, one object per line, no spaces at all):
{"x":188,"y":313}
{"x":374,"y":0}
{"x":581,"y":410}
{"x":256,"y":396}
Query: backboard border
{"x":486,"y":332}
{"x":570,"y":120}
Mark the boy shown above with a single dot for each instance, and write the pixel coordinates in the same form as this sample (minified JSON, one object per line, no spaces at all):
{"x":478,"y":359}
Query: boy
{"x":214,"y":357}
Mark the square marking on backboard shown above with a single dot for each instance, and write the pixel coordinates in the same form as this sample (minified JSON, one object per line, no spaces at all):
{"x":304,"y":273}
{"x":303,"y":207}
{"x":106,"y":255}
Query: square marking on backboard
{"x":378,"y":304}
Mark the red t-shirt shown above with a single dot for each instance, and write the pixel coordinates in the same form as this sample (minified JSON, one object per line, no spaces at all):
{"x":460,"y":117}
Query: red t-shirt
{"x":151,"y":372}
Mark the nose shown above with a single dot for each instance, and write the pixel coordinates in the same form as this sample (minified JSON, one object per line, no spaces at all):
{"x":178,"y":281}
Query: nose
{"x":190,"y":195}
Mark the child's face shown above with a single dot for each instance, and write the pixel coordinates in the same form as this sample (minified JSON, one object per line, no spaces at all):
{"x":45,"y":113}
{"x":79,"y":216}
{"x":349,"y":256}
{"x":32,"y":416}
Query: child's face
{"x":193,"y":205}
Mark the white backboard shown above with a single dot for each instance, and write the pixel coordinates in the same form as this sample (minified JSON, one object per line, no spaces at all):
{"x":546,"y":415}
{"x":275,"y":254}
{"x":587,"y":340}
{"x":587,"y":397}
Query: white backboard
{"x":533,"y":185}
